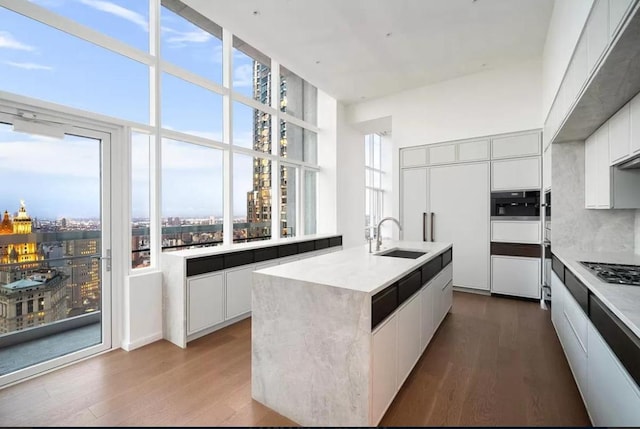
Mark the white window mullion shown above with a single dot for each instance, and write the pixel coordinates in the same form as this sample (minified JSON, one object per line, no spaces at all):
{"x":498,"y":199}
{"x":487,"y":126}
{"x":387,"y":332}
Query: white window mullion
{"x":155,"y":151}
{"x":227,"y":137}
{"x":276,"y":192}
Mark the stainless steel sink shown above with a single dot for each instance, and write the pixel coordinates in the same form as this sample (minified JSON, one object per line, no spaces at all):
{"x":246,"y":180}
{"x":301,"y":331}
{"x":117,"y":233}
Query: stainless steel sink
{"x":402,"y":253}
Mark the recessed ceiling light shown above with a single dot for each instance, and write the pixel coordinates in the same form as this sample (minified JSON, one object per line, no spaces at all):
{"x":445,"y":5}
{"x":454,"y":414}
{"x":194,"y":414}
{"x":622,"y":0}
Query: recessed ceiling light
{"x":256,"y":12}
{"x":483,"y":65}
{"x":317,"y":61}
{"x":388,"y":34}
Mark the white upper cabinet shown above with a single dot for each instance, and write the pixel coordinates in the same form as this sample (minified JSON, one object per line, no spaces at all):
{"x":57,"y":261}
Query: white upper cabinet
{"x":515,"y":146}
{"x":578,"y":71}
{"x":597,"y":170}
{"x":546,"y":169}
{"x":413,"y":157}
{"x":617,"y":10}
{"x":603,"y":176}
{"x":634,"y":115}
{"x":442,"y":154}
{"x":597,"y":32}
{"x":620,"y":135}
{"x":515,"y":174}
{"x":590,"y":172}
{"x":477,"y":150}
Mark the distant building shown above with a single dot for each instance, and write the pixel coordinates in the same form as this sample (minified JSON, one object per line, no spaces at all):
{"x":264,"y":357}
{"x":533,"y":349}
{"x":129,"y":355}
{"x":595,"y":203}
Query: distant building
{"x":39,"y":299}
{"x":17,"y":243}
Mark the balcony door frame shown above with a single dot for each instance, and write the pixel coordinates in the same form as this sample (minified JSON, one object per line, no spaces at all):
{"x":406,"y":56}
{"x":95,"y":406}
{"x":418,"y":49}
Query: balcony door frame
{"x":114,"y":223}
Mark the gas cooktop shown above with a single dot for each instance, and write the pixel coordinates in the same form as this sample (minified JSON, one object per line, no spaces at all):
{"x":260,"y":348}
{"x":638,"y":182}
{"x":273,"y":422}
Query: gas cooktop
{"x":615,"y":273}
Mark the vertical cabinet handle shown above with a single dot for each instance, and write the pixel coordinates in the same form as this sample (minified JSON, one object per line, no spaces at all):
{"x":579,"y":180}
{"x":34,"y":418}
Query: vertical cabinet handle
{"x":424,"y":227}
{"x":432,"y":216}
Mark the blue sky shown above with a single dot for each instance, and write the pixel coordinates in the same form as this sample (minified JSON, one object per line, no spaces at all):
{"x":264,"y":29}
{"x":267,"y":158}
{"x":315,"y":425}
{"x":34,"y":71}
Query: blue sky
{"x":41,"y":62}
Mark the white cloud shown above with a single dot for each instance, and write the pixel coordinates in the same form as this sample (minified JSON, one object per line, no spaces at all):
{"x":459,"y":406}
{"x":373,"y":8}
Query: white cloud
{"x":119,"y":11}
{"x":28,"y":66}
{"x":180,"y":38}
{"x":243,"y":76}
{"x":7,"y":41}
{"x":49,"y":157}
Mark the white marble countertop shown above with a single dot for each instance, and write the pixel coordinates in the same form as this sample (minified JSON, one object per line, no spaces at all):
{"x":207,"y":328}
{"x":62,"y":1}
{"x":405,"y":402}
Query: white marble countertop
{"x":356,"y":269}
{"x":622,"y":300}
{"x":215,"y":250}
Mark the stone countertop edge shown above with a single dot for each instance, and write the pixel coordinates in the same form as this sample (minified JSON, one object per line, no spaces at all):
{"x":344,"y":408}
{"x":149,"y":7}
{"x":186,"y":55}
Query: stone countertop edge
{"x":622,"y":300}
{"x":365,"y":274}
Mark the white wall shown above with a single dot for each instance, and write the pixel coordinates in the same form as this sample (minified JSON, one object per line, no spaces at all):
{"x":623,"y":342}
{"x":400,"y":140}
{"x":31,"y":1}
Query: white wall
{"x":350,"y":180}
{"x":496,"y":101}
{"x":567,"y":20}
{"x":142,"y":310}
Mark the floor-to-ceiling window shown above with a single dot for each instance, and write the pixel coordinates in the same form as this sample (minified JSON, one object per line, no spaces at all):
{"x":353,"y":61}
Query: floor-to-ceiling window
{"x":374,"y":194}
{"x":222,"y":139}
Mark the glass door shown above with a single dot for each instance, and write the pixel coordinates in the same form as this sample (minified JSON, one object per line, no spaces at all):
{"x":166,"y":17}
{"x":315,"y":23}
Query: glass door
{"x":55,"y":285}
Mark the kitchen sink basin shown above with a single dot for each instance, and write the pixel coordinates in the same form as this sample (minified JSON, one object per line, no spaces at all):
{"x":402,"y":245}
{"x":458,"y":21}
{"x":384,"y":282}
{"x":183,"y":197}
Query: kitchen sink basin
{"x":402,"y":253}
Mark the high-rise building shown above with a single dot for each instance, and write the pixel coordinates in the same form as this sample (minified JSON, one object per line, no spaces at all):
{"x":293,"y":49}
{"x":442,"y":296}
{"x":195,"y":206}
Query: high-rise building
{"x":259,"y":207}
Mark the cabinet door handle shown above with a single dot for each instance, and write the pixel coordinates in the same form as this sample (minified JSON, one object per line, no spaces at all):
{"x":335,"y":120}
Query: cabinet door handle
{"x":432,"y":217}
{"x":424,"y":227}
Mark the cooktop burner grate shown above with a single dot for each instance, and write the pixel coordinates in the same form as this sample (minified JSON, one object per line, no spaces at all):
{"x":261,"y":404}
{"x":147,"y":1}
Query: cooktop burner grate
{"x":616,"y":273}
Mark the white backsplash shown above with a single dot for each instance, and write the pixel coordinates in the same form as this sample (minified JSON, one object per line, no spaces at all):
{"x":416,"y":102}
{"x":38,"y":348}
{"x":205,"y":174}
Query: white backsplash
{"x":575,"y":227}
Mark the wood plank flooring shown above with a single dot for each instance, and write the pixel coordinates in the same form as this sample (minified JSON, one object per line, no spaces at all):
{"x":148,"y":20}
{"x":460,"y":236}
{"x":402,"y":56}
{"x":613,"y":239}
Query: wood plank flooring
{"x":493,"y":362}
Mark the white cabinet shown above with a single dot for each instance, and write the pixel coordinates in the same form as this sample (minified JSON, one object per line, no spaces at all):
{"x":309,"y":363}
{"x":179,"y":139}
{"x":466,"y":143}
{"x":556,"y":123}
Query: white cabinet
{"x":620,"y":135}
{"x":452,"y":190}
{"x":617,"y":11}
{"x":546,"y":169}
{"x":414,"y":203}
{"x":613,"y":398}
{"x":557,"y":303}
{"x":442,"y":295}
{"x":519,"y":231}
{"x":384,"y":361}
{"x":413,"y":157}
{"x":427,"y":325}
{"x":205,"y":297}
{"x":590,"y":172}
{"x":577,"y":72}
{"x":477,"y":150}
{"x":597,"y":170}
{"x":514,"y":275}
{"x":575,"y":341}
{"x":513,"y":146}
{"x":597,"y":32}
{"x":634,"y":115}
{"x":446,"y":299}
{"x":238,"y":291}
{"x":515,"y":174}
{"x":408,"y":336}
{"x":442,"y":154}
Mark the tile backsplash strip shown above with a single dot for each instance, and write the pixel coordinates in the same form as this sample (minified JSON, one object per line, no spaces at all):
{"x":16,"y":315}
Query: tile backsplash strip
{"x":575,"y":227}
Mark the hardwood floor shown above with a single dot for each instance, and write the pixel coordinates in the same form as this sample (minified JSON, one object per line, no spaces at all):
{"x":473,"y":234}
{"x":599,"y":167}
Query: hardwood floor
{"x":493,"y":362}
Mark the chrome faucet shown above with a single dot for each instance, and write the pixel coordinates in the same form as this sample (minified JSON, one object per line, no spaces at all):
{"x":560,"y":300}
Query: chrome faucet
{"x":378,"y":237}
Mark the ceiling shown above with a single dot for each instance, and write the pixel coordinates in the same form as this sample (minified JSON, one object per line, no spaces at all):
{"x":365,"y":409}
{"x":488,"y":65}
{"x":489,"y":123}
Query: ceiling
{"x":357,"y":50}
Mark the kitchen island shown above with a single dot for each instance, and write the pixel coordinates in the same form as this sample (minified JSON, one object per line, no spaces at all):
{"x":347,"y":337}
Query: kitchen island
{"x":335,"y":336}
